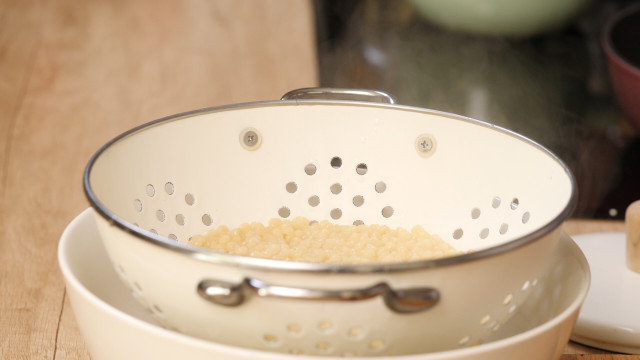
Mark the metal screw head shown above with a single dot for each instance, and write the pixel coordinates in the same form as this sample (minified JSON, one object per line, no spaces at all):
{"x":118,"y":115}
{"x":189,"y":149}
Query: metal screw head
{"x":425,"y":145}
{"x":250,"y":139}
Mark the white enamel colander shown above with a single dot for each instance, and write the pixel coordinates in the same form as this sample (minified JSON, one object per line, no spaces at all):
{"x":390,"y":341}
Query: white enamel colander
{"x":351,"y":157}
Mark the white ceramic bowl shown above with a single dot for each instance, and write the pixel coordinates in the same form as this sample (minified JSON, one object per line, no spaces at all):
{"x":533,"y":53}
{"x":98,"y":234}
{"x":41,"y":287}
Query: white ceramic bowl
{"x":115,"y":326}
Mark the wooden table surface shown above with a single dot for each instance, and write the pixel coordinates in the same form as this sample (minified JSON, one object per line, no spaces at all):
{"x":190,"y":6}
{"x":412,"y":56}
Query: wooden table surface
{"x":73,"y":74}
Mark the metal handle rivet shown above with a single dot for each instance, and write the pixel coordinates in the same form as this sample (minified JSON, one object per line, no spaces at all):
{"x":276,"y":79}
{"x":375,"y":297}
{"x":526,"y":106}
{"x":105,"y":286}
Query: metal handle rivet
{"x":425,"y":145}
{"x":250,"y":139}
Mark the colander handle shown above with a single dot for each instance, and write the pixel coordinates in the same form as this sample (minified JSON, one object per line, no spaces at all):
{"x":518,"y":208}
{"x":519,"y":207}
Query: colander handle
{"x":339,"y":94}
{"x":401,"y":301}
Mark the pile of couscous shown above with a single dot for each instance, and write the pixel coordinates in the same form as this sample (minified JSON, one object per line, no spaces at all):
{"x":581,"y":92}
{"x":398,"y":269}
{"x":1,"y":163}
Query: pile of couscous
{"x":325,"y":242}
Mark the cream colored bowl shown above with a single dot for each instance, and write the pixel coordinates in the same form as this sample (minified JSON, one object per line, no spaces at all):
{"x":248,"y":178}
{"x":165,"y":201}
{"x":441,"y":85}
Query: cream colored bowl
{"x":115,"y":326}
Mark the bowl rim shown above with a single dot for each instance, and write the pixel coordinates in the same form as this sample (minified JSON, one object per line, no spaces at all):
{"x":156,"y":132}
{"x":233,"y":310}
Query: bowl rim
{"x":73,"y":282}
{"x":294,"y":266}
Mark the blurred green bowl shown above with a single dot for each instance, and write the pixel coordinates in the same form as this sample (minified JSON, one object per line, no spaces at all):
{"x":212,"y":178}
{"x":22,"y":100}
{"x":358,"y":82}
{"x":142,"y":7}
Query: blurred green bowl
{"x":514,"y":18}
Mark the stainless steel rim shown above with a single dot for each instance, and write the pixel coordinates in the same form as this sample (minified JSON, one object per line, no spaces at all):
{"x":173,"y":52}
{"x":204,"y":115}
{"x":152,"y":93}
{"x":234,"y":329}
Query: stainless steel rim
{"x":279,"y":265}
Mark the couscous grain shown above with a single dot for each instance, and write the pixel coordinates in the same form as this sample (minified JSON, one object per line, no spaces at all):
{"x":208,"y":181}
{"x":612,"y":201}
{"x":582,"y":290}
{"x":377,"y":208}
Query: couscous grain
{"x":325,"y":242}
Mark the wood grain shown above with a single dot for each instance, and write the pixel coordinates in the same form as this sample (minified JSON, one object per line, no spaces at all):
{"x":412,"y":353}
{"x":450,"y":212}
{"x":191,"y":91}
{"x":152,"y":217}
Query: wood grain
{"x":73,"y":74}
{"x":584,"y":226}
{"x":598,"y":357}
{"x":69,"y":343}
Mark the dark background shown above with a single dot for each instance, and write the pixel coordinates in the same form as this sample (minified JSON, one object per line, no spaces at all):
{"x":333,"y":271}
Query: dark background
{"x":552,"y":87}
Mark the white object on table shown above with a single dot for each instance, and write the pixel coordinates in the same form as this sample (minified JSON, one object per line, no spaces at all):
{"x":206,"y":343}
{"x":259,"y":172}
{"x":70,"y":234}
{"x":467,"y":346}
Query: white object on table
{"x":100,"y":302}
{"x":610,"y":316}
